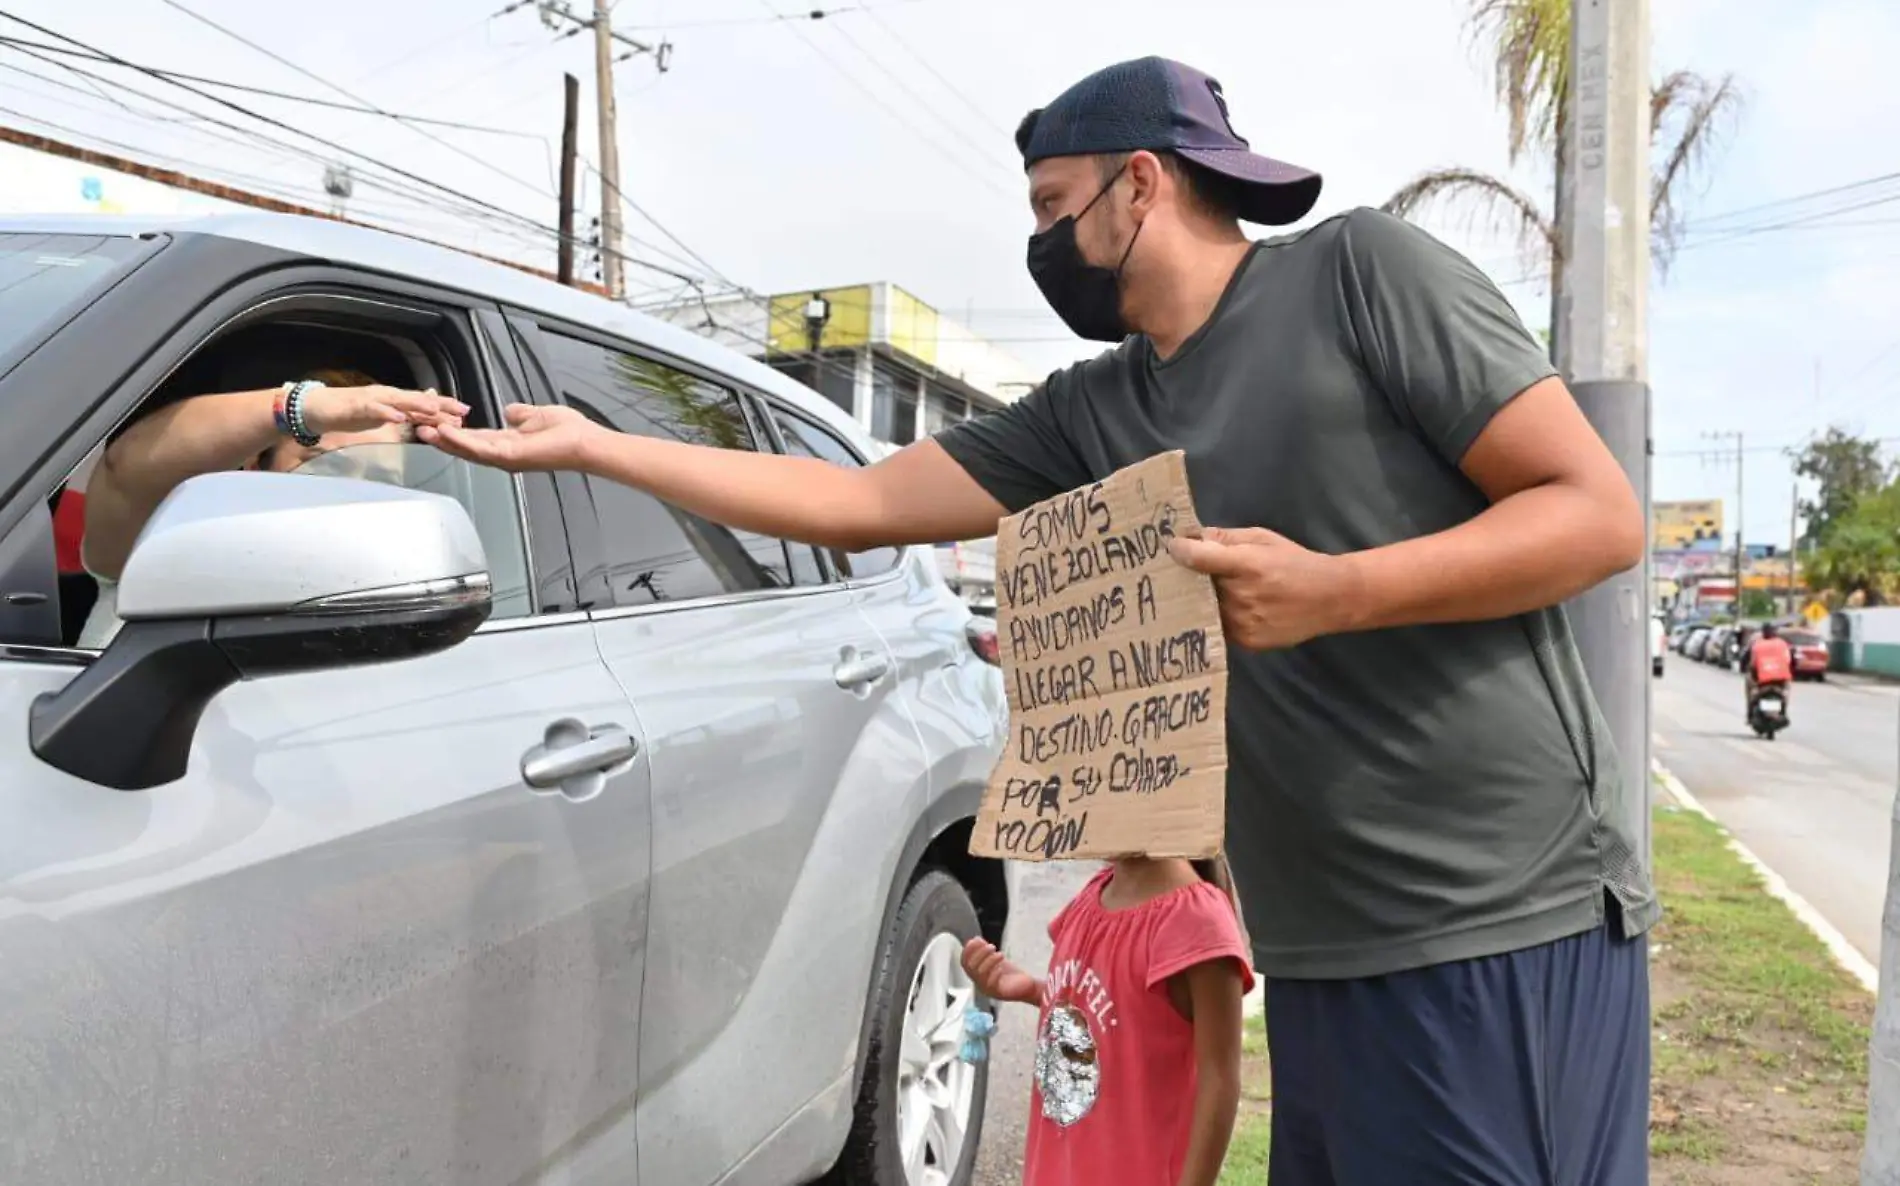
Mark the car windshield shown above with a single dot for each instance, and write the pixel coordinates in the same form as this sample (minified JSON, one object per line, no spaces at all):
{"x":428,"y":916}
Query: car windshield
{"x":45,"y":278}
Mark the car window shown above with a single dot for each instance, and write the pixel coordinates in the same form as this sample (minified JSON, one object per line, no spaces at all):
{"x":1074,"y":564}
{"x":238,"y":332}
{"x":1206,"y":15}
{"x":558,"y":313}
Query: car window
{"x":656,"y":551}
{"x":488,"y":495}
{"x":805,"y":439}
{"x":43,"y":278}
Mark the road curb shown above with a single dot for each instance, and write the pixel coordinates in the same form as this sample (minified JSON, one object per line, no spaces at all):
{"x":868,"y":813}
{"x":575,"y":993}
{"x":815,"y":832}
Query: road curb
{"x":1845,"y":954}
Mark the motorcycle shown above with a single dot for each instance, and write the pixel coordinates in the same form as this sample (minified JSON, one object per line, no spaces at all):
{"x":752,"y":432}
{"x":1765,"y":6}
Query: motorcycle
{"x":1768,"y":710}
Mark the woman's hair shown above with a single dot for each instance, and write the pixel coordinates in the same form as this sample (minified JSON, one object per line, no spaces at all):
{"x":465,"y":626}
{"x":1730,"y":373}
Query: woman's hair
{"x":340,"y":377}
{"x":1216,"y":872}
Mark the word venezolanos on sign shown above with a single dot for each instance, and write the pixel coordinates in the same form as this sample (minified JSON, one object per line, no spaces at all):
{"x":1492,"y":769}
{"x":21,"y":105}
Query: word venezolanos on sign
{"x":1117,"y":678}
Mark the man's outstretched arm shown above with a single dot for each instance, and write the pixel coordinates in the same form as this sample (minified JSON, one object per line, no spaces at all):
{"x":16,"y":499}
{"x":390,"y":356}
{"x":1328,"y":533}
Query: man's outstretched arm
{"x":917,"y":496}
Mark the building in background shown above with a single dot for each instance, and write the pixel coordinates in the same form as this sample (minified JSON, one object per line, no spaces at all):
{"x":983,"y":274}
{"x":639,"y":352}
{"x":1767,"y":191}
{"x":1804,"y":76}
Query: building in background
{"x":37,"y":182}
{"x":1686,"y":526}
{"x":894,"y":364}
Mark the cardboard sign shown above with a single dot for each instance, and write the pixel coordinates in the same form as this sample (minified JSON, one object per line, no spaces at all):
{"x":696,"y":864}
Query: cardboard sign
{"x":1117,"y":677}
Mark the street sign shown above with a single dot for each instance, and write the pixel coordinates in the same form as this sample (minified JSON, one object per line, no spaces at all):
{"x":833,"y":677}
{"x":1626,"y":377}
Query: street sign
{"x":1816,"y":613}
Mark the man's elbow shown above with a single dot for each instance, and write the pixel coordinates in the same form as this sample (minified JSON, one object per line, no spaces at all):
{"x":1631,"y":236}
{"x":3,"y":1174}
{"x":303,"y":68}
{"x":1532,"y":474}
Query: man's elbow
{"x":1621,"y":535}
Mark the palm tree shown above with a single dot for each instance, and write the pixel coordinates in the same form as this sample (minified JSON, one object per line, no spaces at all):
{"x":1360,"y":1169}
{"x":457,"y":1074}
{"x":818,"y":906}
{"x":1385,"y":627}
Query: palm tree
{"x":1529,"y":43}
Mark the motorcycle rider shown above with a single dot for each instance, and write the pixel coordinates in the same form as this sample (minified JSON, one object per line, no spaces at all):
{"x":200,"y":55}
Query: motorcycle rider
{"x":1768,"y":661}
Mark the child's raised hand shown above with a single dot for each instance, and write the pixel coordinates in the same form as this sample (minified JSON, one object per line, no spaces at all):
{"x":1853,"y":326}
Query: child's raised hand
{"x":997,"y":978}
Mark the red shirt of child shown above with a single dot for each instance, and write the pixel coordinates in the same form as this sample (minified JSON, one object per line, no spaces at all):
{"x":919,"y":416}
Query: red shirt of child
{"x":1115,"y":1065}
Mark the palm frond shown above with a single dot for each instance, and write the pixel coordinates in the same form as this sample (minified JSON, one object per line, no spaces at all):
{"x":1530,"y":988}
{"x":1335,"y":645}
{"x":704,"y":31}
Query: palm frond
{"x":1493,"y":203}
{"x":1688,"y":117}
{"x":1529,"y":45}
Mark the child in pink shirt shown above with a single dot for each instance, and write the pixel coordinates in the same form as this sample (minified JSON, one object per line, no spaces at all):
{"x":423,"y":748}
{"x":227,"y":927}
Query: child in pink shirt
{"x":1138,"y":1047}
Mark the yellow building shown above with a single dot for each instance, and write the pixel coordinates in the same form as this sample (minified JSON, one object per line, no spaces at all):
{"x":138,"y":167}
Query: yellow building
{"x":1683,"y":524}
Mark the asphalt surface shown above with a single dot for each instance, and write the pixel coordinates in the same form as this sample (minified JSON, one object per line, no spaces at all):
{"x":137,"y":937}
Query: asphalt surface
{"x":1815,"y":804}
{"x":1039,"y":891}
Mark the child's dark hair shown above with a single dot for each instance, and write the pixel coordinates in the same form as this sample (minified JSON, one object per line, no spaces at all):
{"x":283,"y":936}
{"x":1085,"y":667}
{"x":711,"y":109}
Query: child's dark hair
{"x":1215,"y":871}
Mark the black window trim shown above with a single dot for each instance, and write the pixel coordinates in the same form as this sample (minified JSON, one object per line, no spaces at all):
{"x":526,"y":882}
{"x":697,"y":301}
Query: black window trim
{"x":529,"y":326}
{"x":252,"y":297}
{"x":784,"y":407}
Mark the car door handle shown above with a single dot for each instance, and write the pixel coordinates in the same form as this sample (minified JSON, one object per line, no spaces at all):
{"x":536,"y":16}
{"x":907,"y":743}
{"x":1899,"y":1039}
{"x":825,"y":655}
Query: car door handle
{"x":574,"y":759}
{"x":857,"y":669}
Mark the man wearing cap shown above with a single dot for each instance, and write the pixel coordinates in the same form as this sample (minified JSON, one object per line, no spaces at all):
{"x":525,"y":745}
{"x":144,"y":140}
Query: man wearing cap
{"x":1439,"y":865}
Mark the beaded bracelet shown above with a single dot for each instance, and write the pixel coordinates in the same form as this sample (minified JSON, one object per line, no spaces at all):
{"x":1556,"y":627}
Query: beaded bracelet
{"x":289,"y":413}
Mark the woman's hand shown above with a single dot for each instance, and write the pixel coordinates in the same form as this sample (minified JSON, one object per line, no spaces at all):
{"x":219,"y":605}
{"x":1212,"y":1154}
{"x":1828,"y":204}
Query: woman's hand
{"x":537,"y":438}
{"x":997,"y":978}
{"x":360,"y":409}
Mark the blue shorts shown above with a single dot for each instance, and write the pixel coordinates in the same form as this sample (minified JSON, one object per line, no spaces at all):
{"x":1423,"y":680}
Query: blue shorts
{"x":1524,"y":1069}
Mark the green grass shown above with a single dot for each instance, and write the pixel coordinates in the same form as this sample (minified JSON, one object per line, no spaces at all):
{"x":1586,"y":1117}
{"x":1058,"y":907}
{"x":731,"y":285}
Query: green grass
{"x":1246,"y":1163}
{"x":1759,"y":1011}
{"x":1753,"y":1018}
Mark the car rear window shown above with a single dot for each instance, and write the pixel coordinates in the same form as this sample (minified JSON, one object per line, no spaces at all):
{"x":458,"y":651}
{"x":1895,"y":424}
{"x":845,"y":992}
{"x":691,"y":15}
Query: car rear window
{"x":1801,"y":638}
{"x":44,"y":279}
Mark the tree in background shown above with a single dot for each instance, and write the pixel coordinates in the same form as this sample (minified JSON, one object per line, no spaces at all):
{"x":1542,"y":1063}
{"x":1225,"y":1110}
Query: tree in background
{"x":1757,"y":603}
{"x":1845,"y":469}
{"x":1860,"y":555}
{"x":1528,"y":42}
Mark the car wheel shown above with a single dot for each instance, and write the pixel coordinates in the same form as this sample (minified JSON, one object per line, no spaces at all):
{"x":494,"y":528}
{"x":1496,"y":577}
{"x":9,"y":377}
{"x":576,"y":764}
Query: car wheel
{"x":920,"y":1107}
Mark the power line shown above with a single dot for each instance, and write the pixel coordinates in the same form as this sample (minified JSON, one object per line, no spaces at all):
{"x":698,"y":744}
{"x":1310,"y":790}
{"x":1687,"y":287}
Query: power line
{"x":924,"y":61}
{"x":816,"y":14}
{"x":317,"y":78}
{"x":1796,"y":199}
{"x":981,"y":150}
{"x":893,"y":112}
{"x":471,"y":207}
{"x":311,"y":100}
{"x":279,"y":124}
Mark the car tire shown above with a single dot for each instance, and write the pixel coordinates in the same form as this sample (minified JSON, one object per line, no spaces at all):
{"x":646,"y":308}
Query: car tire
{"x":935,"y":920}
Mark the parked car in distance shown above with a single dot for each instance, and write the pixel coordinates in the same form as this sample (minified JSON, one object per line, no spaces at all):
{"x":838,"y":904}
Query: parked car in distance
{"x":1810,"y":654}
{"x":1658,"y":645}
{"x":455,"y":826}
{"x":1715,"y":650}
{"x":1679,"y":636}
{"x":1695,"y":646}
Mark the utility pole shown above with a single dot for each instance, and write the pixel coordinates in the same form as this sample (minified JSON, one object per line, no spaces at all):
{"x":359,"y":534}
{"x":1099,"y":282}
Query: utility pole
{"x":1602,"y":339}
{"x":1739,"y":454}
{"x":1794,"y":541}
{"x":570,"y":131}
{"x":562,"y":20}
{"x":610,"y":241}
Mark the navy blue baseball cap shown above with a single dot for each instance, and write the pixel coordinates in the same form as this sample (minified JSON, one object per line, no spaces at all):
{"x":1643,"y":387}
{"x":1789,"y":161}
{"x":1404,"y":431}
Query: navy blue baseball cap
{"x":1156,"y":105}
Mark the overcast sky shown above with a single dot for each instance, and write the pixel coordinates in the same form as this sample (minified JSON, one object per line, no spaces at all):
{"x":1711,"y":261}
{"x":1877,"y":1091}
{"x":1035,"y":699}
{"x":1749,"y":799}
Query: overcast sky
{"x":875,"y":145}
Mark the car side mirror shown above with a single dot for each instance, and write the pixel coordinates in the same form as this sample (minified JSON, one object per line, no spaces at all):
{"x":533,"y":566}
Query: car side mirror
{"x":249,"y":575}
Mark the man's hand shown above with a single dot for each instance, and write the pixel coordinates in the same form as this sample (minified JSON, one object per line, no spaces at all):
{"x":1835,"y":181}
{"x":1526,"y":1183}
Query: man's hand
{"x":997,"y":978}
{"x":537,"y":438}
{"x":360,"y":409}
{"x":1273,"y":592}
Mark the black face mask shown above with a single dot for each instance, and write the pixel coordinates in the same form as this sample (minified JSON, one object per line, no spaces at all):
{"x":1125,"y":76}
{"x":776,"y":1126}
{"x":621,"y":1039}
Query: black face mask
{"x":1088,"y":298}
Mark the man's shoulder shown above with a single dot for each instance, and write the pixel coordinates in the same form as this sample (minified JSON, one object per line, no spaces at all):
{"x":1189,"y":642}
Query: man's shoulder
{"x":1115,"y":365}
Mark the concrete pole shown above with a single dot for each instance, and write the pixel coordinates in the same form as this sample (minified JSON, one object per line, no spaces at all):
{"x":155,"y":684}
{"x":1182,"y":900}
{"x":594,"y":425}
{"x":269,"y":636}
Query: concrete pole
{"x":1604,"y":346}
{"x":1880,"y":1166}
{"x":610,"y":191}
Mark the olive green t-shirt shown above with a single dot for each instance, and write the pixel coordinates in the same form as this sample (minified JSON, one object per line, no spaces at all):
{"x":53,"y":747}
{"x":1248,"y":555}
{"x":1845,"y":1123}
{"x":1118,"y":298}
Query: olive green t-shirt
{"x":1395,"y":798}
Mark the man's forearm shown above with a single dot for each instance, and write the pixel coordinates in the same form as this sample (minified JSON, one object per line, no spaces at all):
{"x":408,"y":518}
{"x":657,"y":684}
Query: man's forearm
{"x":920,"y":496}
{"x":1529,"y":551}
{"x":795,"y":498}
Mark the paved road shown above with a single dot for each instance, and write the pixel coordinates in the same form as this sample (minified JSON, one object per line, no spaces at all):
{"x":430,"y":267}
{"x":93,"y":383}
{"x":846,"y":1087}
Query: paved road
{"x":1039,"y":892}
{"x":1815,"y":804}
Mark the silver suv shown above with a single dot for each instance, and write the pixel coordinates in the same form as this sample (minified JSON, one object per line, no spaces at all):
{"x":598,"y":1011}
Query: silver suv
{"x":451,"y":826}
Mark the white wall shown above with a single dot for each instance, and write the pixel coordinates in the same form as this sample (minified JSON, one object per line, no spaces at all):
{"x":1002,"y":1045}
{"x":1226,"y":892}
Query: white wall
{"x":39,"y":183}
